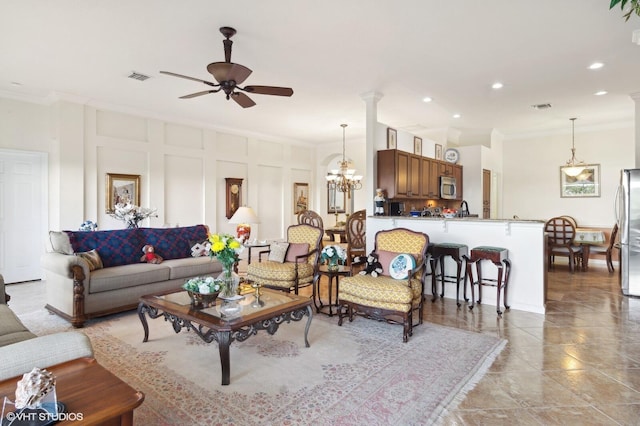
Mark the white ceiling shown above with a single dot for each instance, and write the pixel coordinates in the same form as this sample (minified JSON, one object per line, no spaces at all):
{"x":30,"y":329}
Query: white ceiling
{"x":331,"y":52}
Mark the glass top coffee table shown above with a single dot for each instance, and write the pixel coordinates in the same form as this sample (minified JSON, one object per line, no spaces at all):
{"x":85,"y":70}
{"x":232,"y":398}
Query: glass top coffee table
{"x":218,"y":323}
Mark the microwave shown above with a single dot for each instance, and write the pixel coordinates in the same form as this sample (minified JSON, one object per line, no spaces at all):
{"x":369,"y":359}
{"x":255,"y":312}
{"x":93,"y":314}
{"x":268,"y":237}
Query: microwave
{"x":447,"y":187}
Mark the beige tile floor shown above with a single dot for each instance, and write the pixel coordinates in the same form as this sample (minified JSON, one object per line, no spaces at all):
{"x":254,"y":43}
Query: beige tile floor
{"x":577,"y":365}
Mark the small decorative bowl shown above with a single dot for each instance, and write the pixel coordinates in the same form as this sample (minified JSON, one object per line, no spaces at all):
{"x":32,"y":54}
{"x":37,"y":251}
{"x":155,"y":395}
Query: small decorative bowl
{"x":200,"y":300}
{"x":449,"y":215}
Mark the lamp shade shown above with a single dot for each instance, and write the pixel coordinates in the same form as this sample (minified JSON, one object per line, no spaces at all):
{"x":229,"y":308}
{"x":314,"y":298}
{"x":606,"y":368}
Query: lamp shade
{"x":243,"y":217}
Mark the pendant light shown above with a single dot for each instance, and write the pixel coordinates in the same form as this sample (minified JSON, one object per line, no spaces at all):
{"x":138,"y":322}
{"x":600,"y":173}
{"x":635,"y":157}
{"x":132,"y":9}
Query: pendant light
{"x":573,"y":167}
{"x":344,"y":179}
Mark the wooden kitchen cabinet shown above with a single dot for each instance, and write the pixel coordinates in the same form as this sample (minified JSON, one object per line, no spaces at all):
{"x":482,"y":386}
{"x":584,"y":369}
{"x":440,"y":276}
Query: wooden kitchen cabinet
{"x":408,"y":176}
{"x":399,"y":173}
{"x":430,"y":178}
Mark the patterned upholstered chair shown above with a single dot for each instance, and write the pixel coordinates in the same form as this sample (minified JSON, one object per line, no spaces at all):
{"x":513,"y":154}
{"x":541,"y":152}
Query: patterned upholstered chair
{"x":298,"y":270}
{"x":385,"y":298}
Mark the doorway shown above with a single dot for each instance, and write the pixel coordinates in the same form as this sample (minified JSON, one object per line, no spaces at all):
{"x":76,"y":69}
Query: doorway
{"x":23,"y":213}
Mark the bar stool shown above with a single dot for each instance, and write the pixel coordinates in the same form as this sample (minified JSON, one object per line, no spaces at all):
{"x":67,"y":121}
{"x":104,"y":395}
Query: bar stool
{"x":498,"y":256}
{"x":458,"y":253}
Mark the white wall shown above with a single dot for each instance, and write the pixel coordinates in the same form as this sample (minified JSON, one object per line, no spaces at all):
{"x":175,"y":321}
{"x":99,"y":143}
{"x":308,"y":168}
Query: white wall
{"x":532,"y":173}
{"x":182,"y":167}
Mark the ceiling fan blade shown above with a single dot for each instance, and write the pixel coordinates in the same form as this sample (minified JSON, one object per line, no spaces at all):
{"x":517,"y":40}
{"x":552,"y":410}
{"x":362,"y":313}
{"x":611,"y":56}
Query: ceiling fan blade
{"x":243,"y":100}
{"x":189,"y":78}
{"x":268,"y":90}
{"x":226,"y":71}
{"x":193,"y":95}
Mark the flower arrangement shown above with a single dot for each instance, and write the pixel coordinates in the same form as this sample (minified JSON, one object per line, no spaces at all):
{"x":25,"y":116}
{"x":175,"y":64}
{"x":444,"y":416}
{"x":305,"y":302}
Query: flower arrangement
{"x":226,"y":248}
{"x":334,"y":254}
{"x":88,"y":225}
{"x":132,"y":214}
{"x":203,"y":285}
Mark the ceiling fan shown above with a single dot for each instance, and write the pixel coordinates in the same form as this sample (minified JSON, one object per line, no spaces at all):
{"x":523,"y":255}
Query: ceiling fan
{"x":229,"y":75}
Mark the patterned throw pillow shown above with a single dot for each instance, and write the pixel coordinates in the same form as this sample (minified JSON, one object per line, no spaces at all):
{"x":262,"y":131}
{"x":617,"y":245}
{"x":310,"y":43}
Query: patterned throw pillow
{"x":60,"y":242}
{"x":93,"y":259}
{"x":200,"y":248}
{"x":297,"y":249}
{"x":385,"y":258}
{"x":278,"y":252}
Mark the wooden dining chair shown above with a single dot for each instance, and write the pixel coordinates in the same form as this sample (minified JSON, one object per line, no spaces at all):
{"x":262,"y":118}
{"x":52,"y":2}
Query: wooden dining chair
{"x":356,"y":233}
{"x":560,"y":233}
{"x":607,"y":249}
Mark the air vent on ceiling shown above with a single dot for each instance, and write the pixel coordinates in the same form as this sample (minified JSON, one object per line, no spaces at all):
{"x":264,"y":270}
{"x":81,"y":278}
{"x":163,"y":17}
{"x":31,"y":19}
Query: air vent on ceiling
{"x":541,"y":106}
{"x":137,"y":76}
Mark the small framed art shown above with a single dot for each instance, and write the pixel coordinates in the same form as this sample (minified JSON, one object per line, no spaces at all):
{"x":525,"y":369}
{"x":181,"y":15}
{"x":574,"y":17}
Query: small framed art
{"x":417,"y":145}
{"x":438,"y":152}
{"x":121,"y":189}
{"x":585,"y":184}
{"x":301,"y":197}
{"x":392,"y":138}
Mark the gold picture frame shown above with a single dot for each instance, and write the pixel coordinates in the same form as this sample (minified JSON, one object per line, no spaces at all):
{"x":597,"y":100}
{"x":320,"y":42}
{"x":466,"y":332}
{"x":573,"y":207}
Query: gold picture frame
{"x":417,"y":146}
{"x":121,"y":188}
{"x":438,"y":152}
{"x":300,"y":197}
{"x":392,"y":138}
{"x":585,"y":184}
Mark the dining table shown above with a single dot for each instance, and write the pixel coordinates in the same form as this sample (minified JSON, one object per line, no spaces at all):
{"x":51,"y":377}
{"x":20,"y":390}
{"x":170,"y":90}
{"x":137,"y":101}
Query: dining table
{"x":587,"y":237}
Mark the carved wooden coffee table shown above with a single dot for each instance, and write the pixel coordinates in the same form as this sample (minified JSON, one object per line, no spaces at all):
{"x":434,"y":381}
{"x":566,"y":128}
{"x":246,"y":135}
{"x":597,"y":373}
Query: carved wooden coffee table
{"x":212,"y":323}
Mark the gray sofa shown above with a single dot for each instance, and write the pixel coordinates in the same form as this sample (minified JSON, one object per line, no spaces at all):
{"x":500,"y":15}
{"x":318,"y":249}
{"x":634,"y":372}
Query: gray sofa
{"x":91,"y":274}
{"x":21,"y":350}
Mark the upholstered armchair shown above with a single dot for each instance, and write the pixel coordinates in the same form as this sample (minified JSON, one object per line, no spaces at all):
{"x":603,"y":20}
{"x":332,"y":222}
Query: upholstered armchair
{"x":384,"y":297}
{"x":291,"y":265}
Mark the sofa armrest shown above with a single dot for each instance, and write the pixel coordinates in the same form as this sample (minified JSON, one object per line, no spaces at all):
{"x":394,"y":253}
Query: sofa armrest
{"x":62,"y":264}
{"x":45,"y":351}
{"x":3,"y":297}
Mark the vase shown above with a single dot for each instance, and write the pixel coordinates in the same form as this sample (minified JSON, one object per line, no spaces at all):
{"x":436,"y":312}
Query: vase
{"x":333,"y":266}
{"x":230,"y":279}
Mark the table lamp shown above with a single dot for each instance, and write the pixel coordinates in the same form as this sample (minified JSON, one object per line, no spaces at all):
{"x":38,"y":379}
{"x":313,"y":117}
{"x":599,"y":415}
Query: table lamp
{"x":243,"y":217}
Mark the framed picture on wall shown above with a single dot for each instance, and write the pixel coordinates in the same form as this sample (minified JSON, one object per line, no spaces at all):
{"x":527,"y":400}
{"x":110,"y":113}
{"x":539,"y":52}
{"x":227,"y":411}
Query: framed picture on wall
{"x":300,"y":197}
{"x":584,"y":184}
{"x":417,"y":145}
{"x":121,"y":189}
{"x":438,"y":152}
{"x":233,"y":195}
{"x":392,"y":138}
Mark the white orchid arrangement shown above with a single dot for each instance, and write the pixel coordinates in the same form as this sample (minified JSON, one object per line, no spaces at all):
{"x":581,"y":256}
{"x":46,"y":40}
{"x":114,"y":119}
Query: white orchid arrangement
{"x":334,"y":254}
{"x":132,"y":214}
{"x":203,"y":285}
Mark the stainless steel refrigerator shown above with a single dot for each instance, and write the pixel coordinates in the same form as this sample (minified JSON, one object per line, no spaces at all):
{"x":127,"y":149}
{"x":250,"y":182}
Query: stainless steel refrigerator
{"x":628,"y":217}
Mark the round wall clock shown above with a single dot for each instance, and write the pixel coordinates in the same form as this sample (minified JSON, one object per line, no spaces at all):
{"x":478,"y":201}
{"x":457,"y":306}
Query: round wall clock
{"x":451,"y":155}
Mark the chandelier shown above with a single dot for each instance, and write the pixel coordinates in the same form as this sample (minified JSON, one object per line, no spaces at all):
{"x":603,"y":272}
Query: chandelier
{"x":573,"y":167}
{"x":344,"y":179}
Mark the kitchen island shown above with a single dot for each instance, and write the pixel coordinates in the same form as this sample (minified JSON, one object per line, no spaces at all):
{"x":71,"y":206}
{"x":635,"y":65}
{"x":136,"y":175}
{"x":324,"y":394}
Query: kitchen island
{"x":523,"y":238}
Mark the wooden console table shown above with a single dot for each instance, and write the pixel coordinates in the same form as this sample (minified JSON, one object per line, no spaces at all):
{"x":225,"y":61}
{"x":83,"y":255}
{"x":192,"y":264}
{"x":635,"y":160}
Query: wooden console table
{"x":90,"y":393}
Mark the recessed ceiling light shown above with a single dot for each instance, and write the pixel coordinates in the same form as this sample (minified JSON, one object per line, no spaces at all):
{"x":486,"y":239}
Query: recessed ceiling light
{"x":456,"y":115}
{"x":427,"y":99}
{"x":16,"y":84}
{"x":541,"y":106}
{"x":600,"y":93}
{"x":596,"y":66}
{"x":497,"y":85}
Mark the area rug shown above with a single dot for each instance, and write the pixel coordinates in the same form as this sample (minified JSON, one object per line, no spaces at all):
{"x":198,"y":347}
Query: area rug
{"x":357,"y":374}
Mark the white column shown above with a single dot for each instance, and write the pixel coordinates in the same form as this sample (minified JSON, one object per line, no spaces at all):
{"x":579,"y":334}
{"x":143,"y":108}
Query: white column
{"x":636,"y":99}
{"x":371,"y":99}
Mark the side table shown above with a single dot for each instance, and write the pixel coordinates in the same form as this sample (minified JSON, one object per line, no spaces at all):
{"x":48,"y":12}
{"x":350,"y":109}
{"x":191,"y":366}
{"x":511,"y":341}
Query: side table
{"x":343,"y":271}
{"x":252,"y":246}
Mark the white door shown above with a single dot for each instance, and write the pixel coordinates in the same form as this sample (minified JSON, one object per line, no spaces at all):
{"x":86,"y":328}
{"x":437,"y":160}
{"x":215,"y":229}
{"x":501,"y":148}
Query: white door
{"x":23,"y":213}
